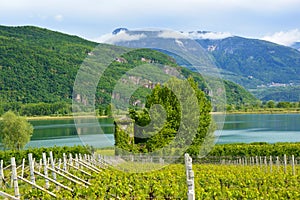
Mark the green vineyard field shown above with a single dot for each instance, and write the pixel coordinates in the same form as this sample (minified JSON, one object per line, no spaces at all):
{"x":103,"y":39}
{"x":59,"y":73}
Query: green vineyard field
{"x":212,"y":181}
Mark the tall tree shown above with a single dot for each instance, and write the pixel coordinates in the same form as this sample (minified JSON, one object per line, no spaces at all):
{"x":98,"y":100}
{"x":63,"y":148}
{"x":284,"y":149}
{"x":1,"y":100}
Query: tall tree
{"x":176,"y":116}
{"x":15,"y":131}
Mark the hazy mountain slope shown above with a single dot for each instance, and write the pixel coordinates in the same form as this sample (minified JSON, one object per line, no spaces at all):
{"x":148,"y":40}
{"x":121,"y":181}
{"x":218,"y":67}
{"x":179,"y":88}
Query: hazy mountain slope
{"x":256,"y":63}
{"x":263,"y":62}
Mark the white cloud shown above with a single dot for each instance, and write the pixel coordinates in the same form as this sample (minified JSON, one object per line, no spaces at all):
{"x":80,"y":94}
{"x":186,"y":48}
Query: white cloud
{"x":120,"y":37}
{"x":284,"y":38}
{"x":194,"y":35}
{"x":58,"y":17}
{"x":209,"y":35}
{"x":171,"y":34}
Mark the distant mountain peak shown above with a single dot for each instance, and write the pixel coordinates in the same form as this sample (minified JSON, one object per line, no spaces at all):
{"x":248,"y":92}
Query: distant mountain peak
{"x":118,"y":30}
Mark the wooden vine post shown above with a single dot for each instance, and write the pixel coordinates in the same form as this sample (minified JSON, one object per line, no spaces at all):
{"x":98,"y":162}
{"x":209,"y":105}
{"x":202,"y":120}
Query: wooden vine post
{"x":293,"y":165}
{"x":1,"y":172}
{"x":15,"y":177}
{"x":46,"y":170}
{"x":189,"y":177}
{"x":52,"y":165}
{"x":31,"y":168}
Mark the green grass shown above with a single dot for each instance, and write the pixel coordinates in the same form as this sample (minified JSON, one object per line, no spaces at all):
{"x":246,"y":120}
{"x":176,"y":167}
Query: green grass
{"x":106,"y":151}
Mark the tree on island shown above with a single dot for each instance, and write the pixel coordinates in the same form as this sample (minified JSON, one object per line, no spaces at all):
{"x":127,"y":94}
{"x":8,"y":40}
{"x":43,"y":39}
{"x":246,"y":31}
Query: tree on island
{"x":15,"y":131}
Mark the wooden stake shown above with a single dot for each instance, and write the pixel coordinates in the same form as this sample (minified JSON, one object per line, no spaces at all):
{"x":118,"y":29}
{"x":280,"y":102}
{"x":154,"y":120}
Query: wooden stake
{"x":277,"y":163}
{"x":70,"y":159}
{"x":76,"y":161}
{"x":65,"y":162}
{"x":1,"y":172}
{"x":23,"y":167}
{"x":40,"y":165}
{"x":81,"y":170}
{"x":37,"y":186}
{"x":256,"y":160}
{"x":73,"y":176}
{"x":5,"y":195}
{"x":271,"y":164}
{"x":15,"y":177}
{"x":266,"y":164}
{"x":31,"y":168}
{"x":59,"y":163}
{"x":189,"y":177}
{"x":66,"y":177}
{"x":293,"y":165}
{"x":54,"y":181}
{"x":285,"y":162}
{"x":46,"y":170}
{"x":88,"y":167}
{"x":260,"y":162}
{"x":52,"y":164}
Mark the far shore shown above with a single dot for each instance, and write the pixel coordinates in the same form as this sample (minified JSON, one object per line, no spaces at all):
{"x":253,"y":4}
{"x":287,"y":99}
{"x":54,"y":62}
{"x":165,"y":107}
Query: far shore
{"x":264,"y":112}
{"x":58,"y":117}
{"x":213,"y":113}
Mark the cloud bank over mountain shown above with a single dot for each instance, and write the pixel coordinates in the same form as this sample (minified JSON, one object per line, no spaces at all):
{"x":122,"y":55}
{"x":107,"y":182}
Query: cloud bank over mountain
{"x":287,"y":38}
{"x":284,"y":38}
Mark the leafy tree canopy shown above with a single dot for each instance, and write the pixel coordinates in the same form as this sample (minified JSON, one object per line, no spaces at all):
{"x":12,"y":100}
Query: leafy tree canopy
{"x":176,"y":116}
{"x":15,"y":131}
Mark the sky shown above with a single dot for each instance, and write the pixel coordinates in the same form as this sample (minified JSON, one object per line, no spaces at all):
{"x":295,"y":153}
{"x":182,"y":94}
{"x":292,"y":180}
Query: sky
{"x":272,"y":20}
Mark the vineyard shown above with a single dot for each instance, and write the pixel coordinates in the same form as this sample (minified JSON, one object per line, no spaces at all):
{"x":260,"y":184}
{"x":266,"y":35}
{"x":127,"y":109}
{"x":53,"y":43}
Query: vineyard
{"x":82,"y":176}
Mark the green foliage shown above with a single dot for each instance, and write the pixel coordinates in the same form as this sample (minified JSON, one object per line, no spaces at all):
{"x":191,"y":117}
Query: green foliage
{"x":265,"y":107}
{"x":15,"y":131}
{"x":39,"y":109}
{"x":283,"y":105}
{"x":236,"y":94}
{"x":271,"y":104}
{"x":256,"y":149}
{"x":37,"y":153}
{"x":288,"y":93}
{"x":211,"y":182}
{"x":39,"y":65}
{"x":175,"y":117}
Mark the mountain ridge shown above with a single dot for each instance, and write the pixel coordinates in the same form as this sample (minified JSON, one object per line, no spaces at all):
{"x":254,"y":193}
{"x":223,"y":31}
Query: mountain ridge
{"x":256,"y":64}
{"x":40,"y":65}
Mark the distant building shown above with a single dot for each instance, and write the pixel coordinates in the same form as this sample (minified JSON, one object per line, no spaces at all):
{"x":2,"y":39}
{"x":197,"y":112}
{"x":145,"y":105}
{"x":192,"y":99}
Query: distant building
{"x":121,"y":60}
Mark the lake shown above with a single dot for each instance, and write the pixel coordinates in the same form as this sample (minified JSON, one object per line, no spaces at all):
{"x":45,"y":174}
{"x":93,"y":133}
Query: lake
{"x":269,"y":128}
{"x":244,"y":128}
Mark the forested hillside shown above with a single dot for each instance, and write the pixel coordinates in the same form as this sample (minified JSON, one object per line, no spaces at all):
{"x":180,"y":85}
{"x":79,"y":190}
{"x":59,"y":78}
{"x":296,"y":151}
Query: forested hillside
{"x":258,"y":65}
{"x":38,"y":65}
{"x":38,"y":68}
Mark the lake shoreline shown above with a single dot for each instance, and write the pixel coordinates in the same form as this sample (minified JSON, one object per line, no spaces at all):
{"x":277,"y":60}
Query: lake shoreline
{"x":213,"y":113}
{"x":264,"y":112}
{"x":60,"y":117}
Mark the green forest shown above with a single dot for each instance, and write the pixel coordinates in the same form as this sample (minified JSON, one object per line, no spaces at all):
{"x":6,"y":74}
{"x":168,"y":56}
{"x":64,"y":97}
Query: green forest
{"x":38,"y":68}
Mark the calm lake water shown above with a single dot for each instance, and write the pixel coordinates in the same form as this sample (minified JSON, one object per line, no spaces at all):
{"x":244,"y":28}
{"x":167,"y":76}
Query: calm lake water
{"x":269,"y":128}
{"x":63,"y":132}
{"x":237,"y":128}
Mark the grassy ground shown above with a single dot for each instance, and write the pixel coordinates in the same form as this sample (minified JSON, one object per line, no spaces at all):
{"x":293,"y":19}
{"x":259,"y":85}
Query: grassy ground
{"x":106,"y":151}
